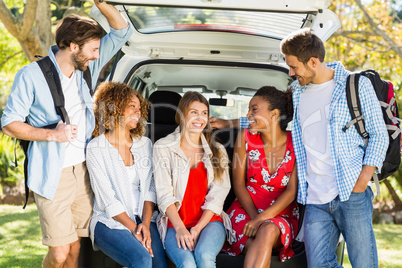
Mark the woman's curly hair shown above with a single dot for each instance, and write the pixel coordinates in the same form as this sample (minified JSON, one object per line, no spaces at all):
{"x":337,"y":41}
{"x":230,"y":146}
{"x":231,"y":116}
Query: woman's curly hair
{"x":111,"y":100}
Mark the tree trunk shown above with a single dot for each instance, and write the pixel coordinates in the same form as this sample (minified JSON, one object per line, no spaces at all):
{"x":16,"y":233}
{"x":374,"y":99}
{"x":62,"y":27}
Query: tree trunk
{"x":32,"y":29}
{"x":43,"y":24}
{"x":32,"y":45}
{"x":395,"y":197}
{"x":399,"y":182}
{"x":398,"y":176}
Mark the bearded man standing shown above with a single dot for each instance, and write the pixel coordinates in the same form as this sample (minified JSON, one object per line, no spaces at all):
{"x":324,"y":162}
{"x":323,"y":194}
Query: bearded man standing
{"x":57,"y":172}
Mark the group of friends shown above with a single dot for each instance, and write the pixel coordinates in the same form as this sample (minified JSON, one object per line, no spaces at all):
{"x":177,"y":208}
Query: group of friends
{"x":101,"y":177}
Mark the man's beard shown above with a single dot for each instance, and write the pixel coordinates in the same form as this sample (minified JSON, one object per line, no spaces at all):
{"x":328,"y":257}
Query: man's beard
{"x":308,"y":78}
{"x":79,"y":61}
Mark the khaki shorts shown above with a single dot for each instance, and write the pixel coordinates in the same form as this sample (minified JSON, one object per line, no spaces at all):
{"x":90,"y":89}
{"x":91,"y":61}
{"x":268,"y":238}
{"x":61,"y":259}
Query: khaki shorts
{"x":67,"y":216}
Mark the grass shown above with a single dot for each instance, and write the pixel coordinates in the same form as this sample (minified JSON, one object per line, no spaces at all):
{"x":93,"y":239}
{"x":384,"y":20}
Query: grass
{"x":20,"y":237}
{"x":21,"y":240}
{"x":389,"y":246}
{"x":389,"y":243}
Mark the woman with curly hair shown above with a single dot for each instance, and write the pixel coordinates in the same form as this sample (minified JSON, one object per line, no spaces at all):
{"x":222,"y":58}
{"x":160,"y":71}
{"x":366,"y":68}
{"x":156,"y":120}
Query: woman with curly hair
{"x":265,"y":214}
{"x":119,"y":160}
{"x":192,"y":181}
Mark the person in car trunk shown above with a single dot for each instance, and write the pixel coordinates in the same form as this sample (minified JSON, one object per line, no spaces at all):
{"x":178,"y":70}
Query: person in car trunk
{"x":57,"y":172}
{"x":265,"y":214}
{"x":119,"y":161}
{"x":192,"y":182}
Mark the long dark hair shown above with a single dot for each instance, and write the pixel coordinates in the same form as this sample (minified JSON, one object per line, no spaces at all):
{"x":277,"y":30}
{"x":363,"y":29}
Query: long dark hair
{"x":277,"y":99}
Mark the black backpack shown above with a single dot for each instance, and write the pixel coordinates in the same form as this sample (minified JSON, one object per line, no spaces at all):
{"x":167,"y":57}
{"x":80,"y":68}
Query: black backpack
{"x":53,"y":81}
{"x":386,"y":97}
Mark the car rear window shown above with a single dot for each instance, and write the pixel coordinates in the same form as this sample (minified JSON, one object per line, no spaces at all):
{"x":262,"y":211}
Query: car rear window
{"x":148,"y":20}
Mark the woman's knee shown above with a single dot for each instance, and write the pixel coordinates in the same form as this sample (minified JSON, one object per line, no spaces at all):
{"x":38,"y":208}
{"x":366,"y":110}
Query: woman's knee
{"x":205,"y":258}
{"x":269,"y":232}
{"x":185,"y":262}
{"x":141,"y":260}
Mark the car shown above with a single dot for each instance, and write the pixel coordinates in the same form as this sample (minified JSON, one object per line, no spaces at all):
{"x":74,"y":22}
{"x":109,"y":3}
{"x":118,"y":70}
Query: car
{"x":225,"y":50}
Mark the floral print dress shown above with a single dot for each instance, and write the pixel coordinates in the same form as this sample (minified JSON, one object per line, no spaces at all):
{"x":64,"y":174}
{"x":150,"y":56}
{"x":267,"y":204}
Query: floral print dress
{"x":264,"y":188}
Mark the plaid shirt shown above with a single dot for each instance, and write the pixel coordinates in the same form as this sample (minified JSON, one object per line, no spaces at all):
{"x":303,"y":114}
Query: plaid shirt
{"x":243,"y":122}
{"x":348,"y":151}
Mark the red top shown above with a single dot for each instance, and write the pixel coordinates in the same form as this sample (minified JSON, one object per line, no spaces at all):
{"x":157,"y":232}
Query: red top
{"x":197,"y":188}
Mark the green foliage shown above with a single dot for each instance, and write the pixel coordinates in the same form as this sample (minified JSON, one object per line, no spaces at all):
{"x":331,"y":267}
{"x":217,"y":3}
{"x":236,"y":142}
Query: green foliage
{"x":59,"y":7}
{"x":6,"y":81}
{"x":9,"y":174}
{"x":12,"y":57}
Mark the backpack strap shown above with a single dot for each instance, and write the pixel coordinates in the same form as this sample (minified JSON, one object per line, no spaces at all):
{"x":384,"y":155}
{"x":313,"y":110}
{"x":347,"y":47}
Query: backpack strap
{"x":390,"y":110}
{"x":353,"y":100}
{"x":53,"y":80}
{"x":88,"y":78}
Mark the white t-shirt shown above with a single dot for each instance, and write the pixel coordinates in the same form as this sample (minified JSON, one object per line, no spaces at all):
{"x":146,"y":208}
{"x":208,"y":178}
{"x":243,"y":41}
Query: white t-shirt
{"x":76,"y":110}
{"x":314,"y":115}
{"x":134,"y":182}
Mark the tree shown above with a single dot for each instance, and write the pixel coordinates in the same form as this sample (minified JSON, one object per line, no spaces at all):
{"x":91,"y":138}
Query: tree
{"x":370,"y":37}
{"x":32,"y":28}
{"x":394,"y":195}
{"x":31,"y":23}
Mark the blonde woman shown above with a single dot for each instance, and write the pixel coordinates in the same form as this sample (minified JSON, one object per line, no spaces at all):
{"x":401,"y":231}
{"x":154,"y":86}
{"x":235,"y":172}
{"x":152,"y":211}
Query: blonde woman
{"x":119,"y":161}
{"x":192,"y":181}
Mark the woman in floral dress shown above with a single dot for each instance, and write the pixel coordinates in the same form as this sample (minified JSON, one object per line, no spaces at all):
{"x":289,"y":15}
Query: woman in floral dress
{"x":265,"y":214}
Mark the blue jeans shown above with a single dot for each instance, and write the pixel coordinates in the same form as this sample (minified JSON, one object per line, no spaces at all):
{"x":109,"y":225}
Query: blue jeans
{"x":353,"y":218}
{"x":124,"y":248}
{"x":210,"y":243}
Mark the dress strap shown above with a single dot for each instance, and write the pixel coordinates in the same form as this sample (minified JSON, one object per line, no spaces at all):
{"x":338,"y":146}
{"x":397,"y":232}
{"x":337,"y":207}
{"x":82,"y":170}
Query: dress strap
{"x":289,"y":142}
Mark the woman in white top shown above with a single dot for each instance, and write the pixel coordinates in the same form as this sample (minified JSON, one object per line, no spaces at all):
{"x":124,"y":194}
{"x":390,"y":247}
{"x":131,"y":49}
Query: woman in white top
{"x":192,"y":181}
{"x":119,"y":161}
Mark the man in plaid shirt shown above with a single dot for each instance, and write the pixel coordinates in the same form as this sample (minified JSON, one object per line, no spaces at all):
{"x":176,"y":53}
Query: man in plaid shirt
{"x":334,"y":167}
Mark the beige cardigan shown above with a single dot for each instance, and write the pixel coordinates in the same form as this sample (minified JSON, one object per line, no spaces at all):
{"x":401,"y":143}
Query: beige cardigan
{"x":171,"y":171}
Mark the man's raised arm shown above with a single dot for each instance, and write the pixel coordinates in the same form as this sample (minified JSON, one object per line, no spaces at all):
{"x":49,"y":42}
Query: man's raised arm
{"x":113,"y":16}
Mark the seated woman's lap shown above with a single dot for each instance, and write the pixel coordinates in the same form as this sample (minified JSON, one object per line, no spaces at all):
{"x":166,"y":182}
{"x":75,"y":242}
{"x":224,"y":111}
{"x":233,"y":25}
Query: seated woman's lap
{"x":124,"y":248}
{"x":209,"y":244}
